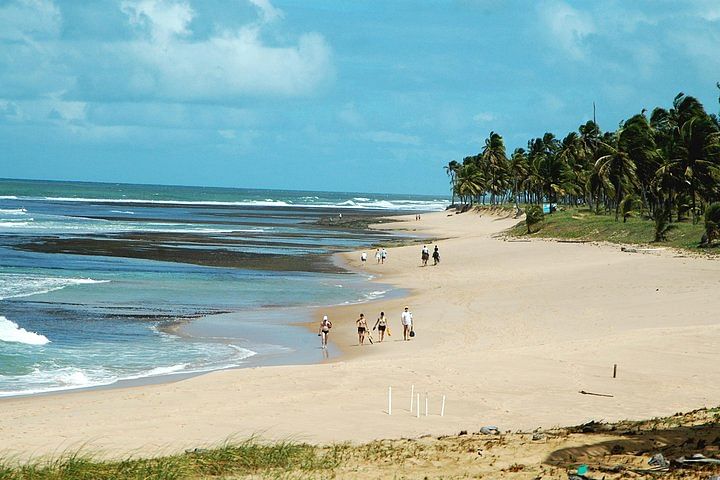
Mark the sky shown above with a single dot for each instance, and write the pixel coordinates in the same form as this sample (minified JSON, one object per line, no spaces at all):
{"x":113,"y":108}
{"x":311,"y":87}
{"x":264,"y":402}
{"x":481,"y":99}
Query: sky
{"x":337,"y":95}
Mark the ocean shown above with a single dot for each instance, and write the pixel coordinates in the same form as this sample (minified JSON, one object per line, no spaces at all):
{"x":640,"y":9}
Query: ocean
{"x":109,"y":284}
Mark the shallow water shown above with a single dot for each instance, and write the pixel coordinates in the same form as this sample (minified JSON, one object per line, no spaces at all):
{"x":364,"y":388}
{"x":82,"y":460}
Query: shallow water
{"x":92,"y":276}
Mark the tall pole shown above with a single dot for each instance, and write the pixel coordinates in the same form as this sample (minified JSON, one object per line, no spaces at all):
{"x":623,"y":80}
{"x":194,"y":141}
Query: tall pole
{"x":594,"y":121}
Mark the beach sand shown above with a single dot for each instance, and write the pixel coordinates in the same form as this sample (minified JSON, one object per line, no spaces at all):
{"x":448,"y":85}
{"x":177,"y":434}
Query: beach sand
{"x":508,"y":331}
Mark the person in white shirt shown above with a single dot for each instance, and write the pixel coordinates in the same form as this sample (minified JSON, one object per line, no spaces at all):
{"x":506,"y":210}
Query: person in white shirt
{"x":407,"y":323}
{"x":378,"y":255}
{"x":383,"y":255}
{"x":363,"y":258}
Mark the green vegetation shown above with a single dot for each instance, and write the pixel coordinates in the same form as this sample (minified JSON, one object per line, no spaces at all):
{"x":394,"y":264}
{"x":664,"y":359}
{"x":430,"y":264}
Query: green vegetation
{"x":612,"y":451}
{"x":584,"y":225}
{"x":533,"y":216}
{"x":712,"y":222}
{"x":665,"y":168}
{"x":230,"y":461}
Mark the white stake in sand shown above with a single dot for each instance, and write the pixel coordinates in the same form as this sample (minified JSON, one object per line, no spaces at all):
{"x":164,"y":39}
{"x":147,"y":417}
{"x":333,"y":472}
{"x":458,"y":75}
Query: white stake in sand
{"x":412,"y":397}
{"x":389,"y":400}
{"x":418,"y":405}
{"x":442,"y":408}
{"x":426,"y":404}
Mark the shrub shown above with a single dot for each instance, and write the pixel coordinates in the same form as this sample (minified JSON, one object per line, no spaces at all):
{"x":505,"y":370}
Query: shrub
{"x":533,"y":215}
{"x":712,"y":222}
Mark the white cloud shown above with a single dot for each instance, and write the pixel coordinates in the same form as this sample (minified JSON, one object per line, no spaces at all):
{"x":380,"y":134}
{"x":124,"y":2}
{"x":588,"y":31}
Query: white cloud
{"x":269,"y":13}
{"x":162,"y":58}
{"x":164,"y":19}
{"x":228,"y":64}
{"x":568,"y":27}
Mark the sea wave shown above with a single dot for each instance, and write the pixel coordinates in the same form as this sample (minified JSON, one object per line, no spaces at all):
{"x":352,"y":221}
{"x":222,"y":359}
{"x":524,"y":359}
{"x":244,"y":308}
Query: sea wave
{"x":14,"y":285}
{"x":435,"y":204}
{"x":12,"y":211}
{"x":373,"y":295}
{"x":70,"y":378}
{"x":12,"y":332}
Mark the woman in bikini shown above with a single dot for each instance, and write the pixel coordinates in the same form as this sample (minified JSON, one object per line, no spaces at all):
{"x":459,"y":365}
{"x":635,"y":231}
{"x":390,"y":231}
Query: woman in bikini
{"x":381,"y":325}
{"x":325,"y":327}
{"x":362,"y":329}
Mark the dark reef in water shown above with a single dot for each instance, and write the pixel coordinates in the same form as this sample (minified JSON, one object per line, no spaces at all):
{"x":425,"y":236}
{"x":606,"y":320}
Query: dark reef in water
{"x":209,"y":253}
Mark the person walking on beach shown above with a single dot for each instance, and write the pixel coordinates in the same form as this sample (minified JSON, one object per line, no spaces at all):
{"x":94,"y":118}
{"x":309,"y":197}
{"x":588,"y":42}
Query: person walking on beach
{"x":381,"y":325}
{"x":425,"y":255}
{"x":325,"y":327}
{"x":436,"y":255}
{"x":407,"y":323}
{"x":383,"y":255}
{"x":378,"y":255}
{"x":362,"y":329}
{"x":363,"y":258}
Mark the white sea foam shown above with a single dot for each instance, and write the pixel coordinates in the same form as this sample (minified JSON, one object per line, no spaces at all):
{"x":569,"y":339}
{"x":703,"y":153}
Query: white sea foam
{"x":68,"y":378}
{"x":309,"y":202}
{"x":12,"y":211}
{"x":15,"y":285}
{"x":123,"y":211}
{"x":374,"y":295}
{"x":14,"y":224}
{"x":12,"y":332}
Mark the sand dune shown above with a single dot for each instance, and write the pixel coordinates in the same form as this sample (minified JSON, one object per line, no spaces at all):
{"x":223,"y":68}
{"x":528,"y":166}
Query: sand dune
{"x":509,"y":332}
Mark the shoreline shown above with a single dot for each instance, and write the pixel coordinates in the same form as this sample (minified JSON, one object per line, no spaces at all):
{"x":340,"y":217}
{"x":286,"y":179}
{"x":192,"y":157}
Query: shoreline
{"x":510,"y":332}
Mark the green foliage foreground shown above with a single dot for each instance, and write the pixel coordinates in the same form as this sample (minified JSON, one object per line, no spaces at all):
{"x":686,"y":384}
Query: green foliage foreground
{"x":247,"y":458}
{"x":584,"y":225}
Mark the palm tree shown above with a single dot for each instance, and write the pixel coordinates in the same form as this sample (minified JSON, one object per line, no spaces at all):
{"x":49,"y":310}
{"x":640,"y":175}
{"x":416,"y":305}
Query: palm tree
{"x":495,"y":163}
{"x":470,"y":182}
{"x":518,"y":170}
{"x":452,"y":169}
{"x":616,"y":169}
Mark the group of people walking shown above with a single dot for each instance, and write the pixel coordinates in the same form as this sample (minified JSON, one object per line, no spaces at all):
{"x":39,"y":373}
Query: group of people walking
{"x":381,"y":325}
{"x":380,"y":256}
{"x":425,"y":255}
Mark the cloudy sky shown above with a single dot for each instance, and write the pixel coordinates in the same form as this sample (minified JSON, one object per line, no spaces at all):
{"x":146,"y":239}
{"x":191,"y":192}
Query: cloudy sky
{"x":372,"y":96}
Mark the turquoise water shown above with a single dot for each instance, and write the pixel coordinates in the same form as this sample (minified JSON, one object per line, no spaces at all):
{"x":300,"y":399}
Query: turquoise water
{"x":93,"y":278}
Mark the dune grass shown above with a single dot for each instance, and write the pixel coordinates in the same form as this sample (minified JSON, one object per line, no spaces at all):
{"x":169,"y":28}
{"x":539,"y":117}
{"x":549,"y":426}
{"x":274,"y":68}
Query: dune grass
{"x":584,"y":225}
{"x":248,"y":458}
{"x":613,"y":451}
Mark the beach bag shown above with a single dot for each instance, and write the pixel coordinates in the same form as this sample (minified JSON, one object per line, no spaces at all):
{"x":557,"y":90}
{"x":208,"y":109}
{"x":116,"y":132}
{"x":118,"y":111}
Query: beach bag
{"x":412,"y":333}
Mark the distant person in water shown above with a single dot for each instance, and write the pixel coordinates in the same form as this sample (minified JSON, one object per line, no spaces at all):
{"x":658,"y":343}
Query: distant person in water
{"x":363,"y":258}
{"x":381,"y":325}
{"x":362,"y":329}
{"x":407,"y":323}
{"x":425,"y":255}
{"x":378,"y":256}
{"x":383,"y":255}
{"x":325,"y":327}
{"x":436,"y":255}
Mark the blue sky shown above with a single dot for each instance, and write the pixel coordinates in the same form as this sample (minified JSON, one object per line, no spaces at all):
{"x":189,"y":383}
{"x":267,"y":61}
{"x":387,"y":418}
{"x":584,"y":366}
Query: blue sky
{"x":369,"y":96}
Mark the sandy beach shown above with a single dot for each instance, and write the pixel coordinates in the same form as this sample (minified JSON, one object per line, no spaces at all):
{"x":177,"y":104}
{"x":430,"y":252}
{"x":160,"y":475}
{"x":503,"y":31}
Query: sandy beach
{"x":509,"y":331}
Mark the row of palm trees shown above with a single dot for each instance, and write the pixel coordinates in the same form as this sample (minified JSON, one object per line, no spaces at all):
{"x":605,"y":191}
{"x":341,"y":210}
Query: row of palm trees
{"x":663,"y":165}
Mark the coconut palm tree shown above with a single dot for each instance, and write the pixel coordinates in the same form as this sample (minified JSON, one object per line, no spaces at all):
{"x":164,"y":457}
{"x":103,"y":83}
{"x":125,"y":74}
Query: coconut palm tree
{"x":494,"y":162}
{"x":617,"y":170}
{"x":452,"y":169}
